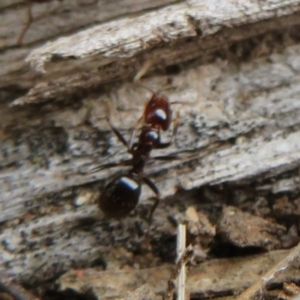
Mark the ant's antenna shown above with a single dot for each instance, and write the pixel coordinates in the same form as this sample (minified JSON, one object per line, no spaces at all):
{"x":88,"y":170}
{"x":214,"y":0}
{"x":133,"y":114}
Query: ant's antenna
{"x":142,"y":71}
{"x":148,"y":89}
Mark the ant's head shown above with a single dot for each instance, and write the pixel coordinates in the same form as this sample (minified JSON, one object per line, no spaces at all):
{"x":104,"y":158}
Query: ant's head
{"x":158,"y":112}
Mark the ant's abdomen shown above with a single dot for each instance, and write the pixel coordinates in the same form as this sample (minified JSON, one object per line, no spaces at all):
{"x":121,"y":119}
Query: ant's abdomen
{"x":120,"y":197}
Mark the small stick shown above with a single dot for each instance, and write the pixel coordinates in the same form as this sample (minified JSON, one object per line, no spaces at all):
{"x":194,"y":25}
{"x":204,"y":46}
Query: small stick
{"x":181,"y":246}
{"x":14,"y":290}
{"x":260,"y":284}
{"x":179,"y":267}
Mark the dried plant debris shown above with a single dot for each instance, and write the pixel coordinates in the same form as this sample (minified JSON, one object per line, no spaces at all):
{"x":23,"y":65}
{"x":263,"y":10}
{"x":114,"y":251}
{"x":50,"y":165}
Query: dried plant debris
{"x":200,"y":233}
{"x":200,"y":226}
{"x":11,"y":291}
{"x":282,"y":207}
{"x":115,"y":284}
{"x":144,"y":292}
{"x":274,"y":275}
{"x":291,"y":238}
{"x":290,"y":291}
{"x":177,"y":280}
{"x":212,"y":278}
{"x":245,"y":230}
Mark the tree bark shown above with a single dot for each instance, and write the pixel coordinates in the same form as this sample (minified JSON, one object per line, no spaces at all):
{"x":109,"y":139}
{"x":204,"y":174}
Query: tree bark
{"x":234,"y":66}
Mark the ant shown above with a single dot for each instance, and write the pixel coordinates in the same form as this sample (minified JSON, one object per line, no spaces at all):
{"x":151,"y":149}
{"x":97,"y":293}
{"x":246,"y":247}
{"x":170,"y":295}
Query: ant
{"x":121,"y":195}
{"x":29,"y":18}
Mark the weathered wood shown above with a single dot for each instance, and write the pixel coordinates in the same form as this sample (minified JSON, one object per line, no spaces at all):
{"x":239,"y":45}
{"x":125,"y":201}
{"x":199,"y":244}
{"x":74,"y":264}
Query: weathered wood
{"x":52,"y":20}
{"x":230,"y":139}
{"x":217,"y":277}
{"x":116,"y":49}
{"x":130,"y":36}
{"x":240,"y":123}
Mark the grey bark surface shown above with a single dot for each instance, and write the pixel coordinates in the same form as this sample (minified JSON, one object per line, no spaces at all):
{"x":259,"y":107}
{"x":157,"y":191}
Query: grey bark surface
{"x":239,"y":124}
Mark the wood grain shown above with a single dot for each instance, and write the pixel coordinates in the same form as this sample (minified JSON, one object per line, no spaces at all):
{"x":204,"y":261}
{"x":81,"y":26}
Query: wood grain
{"x":240,"y":123}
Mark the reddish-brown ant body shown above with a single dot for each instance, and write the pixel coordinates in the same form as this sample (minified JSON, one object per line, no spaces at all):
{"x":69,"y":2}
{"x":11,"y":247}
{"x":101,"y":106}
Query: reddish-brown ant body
{"x":158,"y":113}
{"x":29,"y":18}
{"x":122,"y":194}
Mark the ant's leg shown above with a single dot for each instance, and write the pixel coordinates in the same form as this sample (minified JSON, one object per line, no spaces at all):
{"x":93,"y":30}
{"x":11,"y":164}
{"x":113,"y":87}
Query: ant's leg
{"x":115,"y":129}
{"x":112,"y":165}
{"x":165,"y":157}
{"x":154,"y":188}
{"x":118,"y":134}
{"x":134,"y":131}
{"x":27,"y":25}
{"x":175,"y":126}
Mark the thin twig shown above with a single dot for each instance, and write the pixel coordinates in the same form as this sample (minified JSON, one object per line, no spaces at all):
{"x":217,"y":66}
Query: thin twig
{"x":181,"y":245}
{"x":180,"y":264}
{"x":260,"y":284}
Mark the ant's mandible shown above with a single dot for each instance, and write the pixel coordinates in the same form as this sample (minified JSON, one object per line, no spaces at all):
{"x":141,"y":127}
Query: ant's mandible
{"x":29,"y":18}
{"x":121,"y":195}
